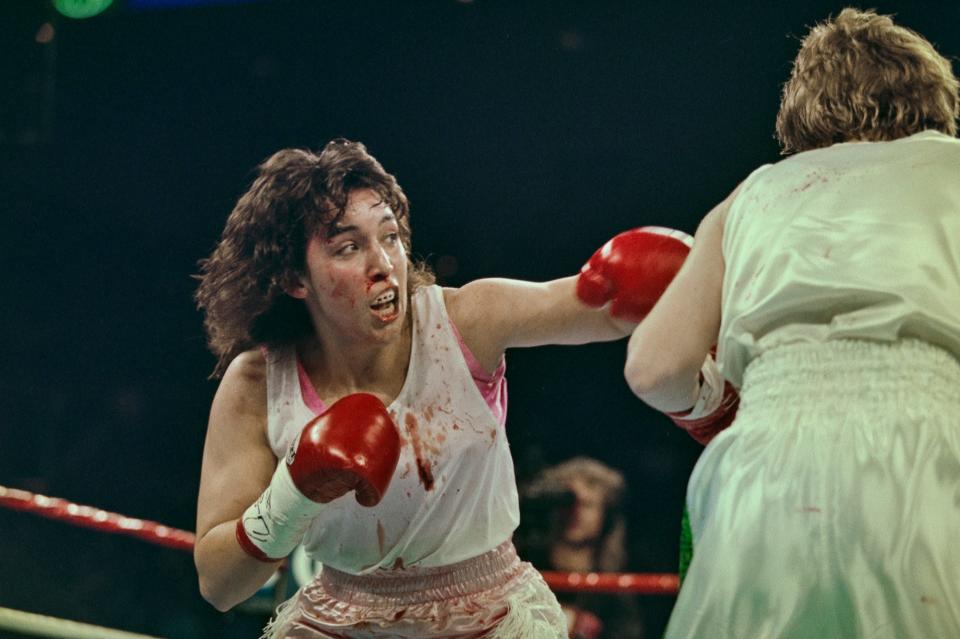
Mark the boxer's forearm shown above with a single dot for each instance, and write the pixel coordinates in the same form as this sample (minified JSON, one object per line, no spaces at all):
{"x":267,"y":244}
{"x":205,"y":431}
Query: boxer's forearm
{"x":227,"y":574}
{"x":672,"y":392}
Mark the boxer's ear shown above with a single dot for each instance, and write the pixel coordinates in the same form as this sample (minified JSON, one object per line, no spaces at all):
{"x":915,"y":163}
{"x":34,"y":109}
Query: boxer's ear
{"x":293,"y":284}
{"x":299,"y":291}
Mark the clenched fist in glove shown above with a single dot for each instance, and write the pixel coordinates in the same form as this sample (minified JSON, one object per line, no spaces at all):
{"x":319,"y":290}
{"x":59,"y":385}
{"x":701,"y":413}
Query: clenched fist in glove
{"x":716,"y":406}
{"x":632,"y":270}
{"x":354,"y":445}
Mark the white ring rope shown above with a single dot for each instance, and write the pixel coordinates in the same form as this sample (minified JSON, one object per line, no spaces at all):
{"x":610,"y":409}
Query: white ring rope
{"x":35,"y":625}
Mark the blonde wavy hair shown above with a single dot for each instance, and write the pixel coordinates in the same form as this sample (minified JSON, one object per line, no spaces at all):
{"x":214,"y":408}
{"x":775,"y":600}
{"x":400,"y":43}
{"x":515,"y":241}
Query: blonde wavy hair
{"x":861,"y":77}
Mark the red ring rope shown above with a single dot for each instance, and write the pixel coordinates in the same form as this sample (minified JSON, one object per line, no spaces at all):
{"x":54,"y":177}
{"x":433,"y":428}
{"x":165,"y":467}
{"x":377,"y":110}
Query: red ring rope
{"x":612,"y":582}
{"x":96,"y":518}
{"x":158,"y":534}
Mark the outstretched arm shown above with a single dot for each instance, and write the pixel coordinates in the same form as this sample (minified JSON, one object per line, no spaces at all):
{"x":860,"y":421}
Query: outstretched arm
{"x":615,"y":288}
{"x":495,"y":314}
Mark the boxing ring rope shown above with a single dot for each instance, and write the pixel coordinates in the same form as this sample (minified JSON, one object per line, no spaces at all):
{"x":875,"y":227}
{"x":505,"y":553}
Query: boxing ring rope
{"x":161,"y":535}
{"x":96,"y":518}
{"x":43,"y":626}
{"x":613,"y":582}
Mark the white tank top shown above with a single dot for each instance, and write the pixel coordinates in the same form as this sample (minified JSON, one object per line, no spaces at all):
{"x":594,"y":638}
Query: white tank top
{"x":855,"y":241}
{"x":453,"y":495}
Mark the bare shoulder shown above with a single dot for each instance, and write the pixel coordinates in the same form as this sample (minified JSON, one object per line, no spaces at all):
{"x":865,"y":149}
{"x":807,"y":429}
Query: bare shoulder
{"x":477,"y":310}
{"x":242,"y":392}
{"x":451,"y":299}
{"x":465,"y":305}
{"x":249,"y":367}
{"x":713,"y":222}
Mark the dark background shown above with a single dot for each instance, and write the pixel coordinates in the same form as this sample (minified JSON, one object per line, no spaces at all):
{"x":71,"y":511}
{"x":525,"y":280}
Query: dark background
{"x":524,"y":133}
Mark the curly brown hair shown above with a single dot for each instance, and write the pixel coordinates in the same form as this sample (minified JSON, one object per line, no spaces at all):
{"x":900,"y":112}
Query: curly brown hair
{"x":861,"y":77}
{"x":296,"y":195}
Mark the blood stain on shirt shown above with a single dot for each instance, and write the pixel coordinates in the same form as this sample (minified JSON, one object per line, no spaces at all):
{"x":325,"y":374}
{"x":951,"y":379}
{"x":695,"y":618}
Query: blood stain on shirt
{"x":426,"y":475}
{"x":423,"y":466}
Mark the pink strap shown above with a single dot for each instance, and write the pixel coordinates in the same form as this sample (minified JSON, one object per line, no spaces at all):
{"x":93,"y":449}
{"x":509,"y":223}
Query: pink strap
{"x":309,"y":393}
{"x":492,"y":386}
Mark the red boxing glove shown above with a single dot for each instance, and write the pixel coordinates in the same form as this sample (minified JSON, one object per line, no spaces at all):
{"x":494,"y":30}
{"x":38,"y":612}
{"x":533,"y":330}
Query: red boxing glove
{"x":716,"y":405}
{"x":353,"y":445}
{"x":632,"y":270}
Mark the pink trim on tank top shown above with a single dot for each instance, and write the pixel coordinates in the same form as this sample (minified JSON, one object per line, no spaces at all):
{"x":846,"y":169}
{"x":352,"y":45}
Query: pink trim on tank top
{"x":492,"y":386}
{"x":307,"y":391}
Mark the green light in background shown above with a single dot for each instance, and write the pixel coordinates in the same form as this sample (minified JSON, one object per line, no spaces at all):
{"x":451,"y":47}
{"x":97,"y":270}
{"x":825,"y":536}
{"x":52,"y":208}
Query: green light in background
{"x":81,"y":8}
